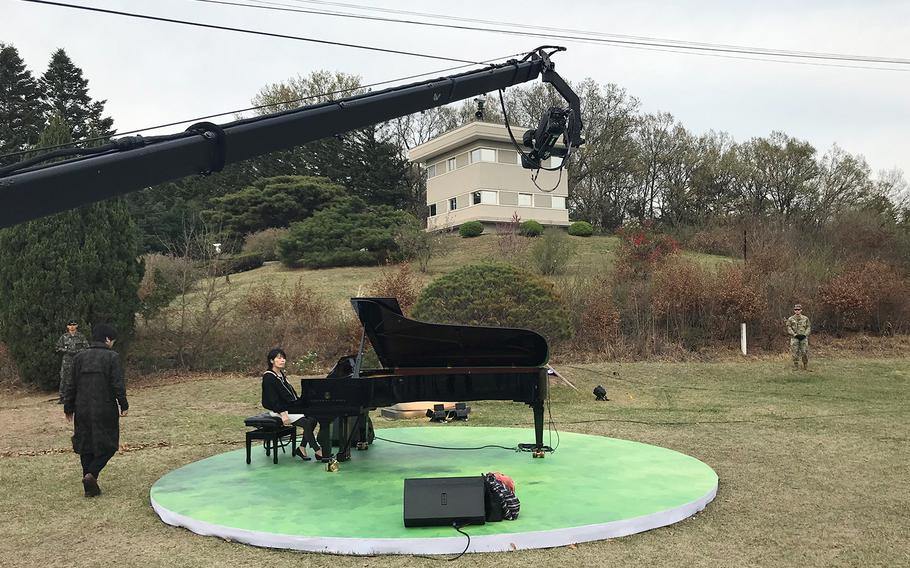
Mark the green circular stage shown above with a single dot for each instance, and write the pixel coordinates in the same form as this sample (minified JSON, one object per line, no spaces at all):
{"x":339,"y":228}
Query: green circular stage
{"x":591,"y":488}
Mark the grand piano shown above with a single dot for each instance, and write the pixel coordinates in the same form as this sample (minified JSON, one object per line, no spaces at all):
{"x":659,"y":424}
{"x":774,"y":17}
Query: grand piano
{"x":424,"y":361}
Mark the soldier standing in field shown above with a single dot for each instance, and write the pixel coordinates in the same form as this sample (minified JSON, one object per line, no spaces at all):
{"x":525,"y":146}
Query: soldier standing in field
{"x":69,"y":344}
{"x":799,"y":328}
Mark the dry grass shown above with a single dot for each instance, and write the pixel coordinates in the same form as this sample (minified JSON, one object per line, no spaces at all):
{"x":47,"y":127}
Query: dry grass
{"x":812,"y":467}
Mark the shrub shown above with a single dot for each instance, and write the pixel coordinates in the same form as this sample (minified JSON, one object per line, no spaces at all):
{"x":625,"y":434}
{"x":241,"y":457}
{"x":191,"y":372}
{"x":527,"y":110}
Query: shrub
{"x":677,"y":292}
{"x":470,"y":229}
{"x":494,"y":294}
{"x":346,"y":234}
{"x":531,"y":228}
{"x":162,"y":281}
{"x":512,"y":245}
{"x":264,"y":242}
{"x":239,"y":263}
{"x":720,"y":240}
{"x":867,"y":295}
{"x":641,"y":248}
{"x":552,"y":253}
{"x":581,"y":229}
{"x":595,"y":317}
{"x":414,"y":243}
{"x":399,"y":284}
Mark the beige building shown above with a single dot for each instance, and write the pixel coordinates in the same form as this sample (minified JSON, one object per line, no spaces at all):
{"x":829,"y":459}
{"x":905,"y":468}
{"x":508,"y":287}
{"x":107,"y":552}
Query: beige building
{"x":474,"y":173}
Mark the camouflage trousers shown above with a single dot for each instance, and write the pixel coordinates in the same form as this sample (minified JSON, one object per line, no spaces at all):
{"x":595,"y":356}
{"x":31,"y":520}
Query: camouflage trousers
{"x":66,"y":375}
{"x":799,"y":349}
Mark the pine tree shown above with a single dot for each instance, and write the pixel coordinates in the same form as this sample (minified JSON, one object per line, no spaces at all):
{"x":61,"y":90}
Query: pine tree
{"x":64,"y":92}
{"x":79,"y":264}
{"x":20,"y":110}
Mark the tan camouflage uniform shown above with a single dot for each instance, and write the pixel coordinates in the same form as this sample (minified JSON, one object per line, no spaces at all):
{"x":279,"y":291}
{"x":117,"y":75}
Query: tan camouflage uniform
{"x":798,"y":324}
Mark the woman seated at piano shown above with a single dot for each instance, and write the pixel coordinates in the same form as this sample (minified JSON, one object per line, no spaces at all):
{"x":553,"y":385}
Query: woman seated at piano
{"x":278,"y":395}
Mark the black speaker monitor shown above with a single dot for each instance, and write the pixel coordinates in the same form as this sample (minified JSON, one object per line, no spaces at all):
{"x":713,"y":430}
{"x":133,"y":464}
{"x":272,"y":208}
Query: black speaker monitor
{"x":440,"y":501}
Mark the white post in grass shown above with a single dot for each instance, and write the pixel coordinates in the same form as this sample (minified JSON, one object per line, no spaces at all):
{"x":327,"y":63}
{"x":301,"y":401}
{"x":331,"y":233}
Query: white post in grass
{"x":742,"y":338}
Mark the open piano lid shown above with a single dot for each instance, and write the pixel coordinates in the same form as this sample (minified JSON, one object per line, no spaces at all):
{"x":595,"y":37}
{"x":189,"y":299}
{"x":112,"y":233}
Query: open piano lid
{"x":402,"y":342}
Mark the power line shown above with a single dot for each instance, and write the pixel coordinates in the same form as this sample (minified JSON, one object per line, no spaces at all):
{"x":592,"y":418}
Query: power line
{"x":604,"y":38}
{"x":259,"y":107}
{"x":247,"y":31}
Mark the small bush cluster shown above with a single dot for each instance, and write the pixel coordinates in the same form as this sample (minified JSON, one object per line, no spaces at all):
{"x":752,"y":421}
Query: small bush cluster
{"x":721,"y":240}
{"x":530,"y":228}
{"x":595,"y":316}
{"x":414,"y":243}
{"x":512,"y":246}
{"x":252,"y":322}
{"x":264,"y":242}
{"x":470,"y":229}
{"x":163,"y":278}
{"x":868,"y":295}
{"x":239,"y":263}
{"x":552,"y":253}
{"x":581,"y":229}
{"x":397,"y":282}
{"x":641,"y":248}
{"x":495,"y":294}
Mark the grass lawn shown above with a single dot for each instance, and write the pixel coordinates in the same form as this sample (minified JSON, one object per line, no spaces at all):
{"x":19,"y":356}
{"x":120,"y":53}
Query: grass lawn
{"x":813,"y":468}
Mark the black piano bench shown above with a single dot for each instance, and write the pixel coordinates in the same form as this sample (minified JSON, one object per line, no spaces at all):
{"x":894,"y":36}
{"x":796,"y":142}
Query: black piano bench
{"x":271,"y":431}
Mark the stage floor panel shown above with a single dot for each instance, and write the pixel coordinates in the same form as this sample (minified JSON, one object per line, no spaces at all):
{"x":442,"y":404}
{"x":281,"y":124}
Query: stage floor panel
{"x":591,"y":488}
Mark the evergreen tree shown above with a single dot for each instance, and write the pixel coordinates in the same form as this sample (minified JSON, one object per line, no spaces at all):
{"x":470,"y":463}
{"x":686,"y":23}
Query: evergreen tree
{"x":78,"y":264}
{"x":374,"y":169}
{"x":64,"y":92}
{"x":20,"y":109}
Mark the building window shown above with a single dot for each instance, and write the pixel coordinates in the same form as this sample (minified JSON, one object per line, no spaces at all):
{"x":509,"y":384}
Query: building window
{"x":450,"y":165}
{"x":483,"y":197}
{"x":559,"y":202}
{"x":483,"y":155}
{"x":524,"y":200}
{"x":431,"y":170}
{"x":453,"y":204}
{"x":508,"y":157}
{"x":432,"y":209}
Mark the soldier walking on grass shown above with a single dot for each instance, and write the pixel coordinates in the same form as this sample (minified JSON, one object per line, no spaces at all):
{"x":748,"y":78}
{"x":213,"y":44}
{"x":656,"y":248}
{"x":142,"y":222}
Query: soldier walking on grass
{"x":69,"y":344}
{"x":799,"y":328}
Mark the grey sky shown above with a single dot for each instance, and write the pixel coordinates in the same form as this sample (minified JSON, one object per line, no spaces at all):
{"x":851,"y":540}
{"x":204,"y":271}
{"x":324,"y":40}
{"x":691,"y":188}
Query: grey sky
{"x":151,"y":73}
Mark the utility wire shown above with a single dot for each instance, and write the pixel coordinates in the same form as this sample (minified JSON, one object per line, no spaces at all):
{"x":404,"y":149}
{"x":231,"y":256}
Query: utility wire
{"x":247,"y":31}
{"x":259,"y":107}
{"x":536,"y":27}
{"x":640,"y":41}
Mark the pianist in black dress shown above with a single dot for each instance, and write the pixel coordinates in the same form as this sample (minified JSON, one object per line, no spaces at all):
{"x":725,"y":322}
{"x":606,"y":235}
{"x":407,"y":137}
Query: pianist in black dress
{"x":277,"y":396}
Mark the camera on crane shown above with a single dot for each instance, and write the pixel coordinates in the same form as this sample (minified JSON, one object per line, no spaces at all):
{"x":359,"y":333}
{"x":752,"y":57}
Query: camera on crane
{"x":542,"y":141}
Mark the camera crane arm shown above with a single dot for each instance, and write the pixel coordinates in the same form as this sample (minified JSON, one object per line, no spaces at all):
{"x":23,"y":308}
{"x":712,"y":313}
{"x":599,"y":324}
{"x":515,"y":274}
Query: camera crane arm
{"x":135,"y":163}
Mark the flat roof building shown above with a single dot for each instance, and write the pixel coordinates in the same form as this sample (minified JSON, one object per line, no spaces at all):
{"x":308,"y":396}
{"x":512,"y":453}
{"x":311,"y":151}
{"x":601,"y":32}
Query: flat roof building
{"x":474,"y":173}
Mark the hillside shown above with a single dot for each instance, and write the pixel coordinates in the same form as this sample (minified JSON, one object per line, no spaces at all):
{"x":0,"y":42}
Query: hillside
{"x":594,"y":255}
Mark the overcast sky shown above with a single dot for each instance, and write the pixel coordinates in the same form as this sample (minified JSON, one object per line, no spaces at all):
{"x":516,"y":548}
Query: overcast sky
{"x":151,"y":73}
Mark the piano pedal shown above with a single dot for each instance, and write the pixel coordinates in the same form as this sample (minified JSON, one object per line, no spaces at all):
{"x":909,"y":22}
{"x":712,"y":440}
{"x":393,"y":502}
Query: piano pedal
{"x":331,"y":465}
{"x":363,"y":446}
{"x":538,"y":453}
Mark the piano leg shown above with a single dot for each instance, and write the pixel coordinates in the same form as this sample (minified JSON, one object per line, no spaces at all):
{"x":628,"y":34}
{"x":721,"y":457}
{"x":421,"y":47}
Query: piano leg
{"x":344,"y":435}
{"x":538,"y":426}
{"x":325,"y":438}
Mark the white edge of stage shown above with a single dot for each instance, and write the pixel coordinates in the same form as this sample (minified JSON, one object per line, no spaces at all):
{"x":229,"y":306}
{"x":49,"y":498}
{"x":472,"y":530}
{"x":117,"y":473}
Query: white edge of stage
{"x":441,"y":545}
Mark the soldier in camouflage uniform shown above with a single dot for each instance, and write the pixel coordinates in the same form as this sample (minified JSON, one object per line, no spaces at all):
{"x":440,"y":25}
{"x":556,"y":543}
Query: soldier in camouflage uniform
{"x":799,"y":328}
{"x":69,"y":344}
